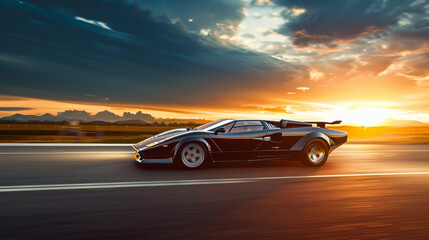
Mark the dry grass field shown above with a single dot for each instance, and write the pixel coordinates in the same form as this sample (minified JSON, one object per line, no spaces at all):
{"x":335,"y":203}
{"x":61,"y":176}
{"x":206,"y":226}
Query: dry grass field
{"x":79,"y":133}
{"x":132,"y":134}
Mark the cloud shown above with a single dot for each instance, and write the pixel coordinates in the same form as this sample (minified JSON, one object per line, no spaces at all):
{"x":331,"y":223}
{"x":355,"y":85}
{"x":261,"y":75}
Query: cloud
{"x":286,"y":110}
{"x":248,"y":35}
{"x":65,"y":51}
{"x":272,"y":109}
{"x":325,"y":23}
{"x":413,"y":67}
{"x":315,"y":75}
{"x":304,"y":39}
{"x":420,"y":34}
{"x":372,"y":64}
{"x":96,"y":23}
{"x":148,"y":55}
{"x":221,"y":16}
{"x":14,"y":109}
{"x":303,"y":89}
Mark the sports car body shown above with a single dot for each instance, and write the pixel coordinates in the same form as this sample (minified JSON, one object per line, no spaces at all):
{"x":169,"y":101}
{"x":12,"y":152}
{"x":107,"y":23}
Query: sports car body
{"x":242,"y":140}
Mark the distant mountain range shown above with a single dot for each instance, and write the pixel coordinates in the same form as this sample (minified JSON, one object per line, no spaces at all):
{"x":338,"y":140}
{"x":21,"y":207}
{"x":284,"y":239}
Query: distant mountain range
{"x":83,"y":116}
{"x":139,"y":118}
{"x":404,"y":123}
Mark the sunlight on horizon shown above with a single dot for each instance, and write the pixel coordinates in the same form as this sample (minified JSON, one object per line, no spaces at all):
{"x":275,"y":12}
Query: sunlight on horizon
{"x":367,"y":117}
{"x":351,"y":113}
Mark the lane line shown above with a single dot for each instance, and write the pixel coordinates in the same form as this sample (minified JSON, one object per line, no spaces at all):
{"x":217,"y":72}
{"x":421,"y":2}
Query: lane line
{"x":116,"y":185}
{"x":131,"y":152}
{"x":382,"y":150}
{"x":342,"y":175}
{"x":48,"y":187}
{"x":65,"y":144}
{"x":80,"y":152}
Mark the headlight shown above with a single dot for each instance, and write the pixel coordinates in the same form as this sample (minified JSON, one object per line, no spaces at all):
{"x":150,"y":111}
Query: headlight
{"x":151,"y":144}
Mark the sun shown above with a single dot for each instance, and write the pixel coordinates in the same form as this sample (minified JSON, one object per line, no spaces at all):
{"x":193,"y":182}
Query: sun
{"x":367,"y":117}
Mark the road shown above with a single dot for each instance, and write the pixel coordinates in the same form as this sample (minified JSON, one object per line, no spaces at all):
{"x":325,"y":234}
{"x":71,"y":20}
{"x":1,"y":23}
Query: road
{"x":97,"y":192}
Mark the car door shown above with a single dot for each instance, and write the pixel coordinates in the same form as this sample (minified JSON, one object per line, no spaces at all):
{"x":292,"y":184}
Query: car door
{"x":240,"y":142}
{"x":273,"y":146}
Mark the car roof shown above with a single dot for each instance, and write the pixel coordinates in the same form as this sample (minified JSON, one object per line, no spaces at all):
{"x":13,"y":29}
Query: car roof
{"x":247,"y":120}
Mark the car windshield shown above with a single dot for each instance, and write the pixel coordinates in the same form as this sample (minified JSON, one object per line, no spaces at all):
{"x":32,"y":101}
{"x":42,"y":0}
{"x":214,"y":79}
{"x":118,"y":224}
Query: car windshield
{"x":212,"y":125}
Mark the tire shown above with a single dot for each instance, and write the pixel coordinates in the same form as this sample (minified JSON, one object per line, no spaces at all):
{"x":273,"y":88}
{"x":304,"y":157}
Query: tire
{"x":315,"y":153}
{"x":192,"y":155}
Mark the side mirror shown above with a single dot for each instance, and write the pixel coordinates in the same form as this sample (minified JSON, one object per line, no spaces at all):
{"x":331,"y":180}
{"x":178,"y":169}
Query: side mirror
{"x":219,"y":130}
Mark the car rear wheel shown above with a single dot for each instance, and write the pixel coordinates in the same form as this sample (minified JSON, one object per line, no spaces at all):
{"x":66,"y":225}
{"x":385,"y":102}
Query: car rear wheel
{"x":192,"y":155}
{"x":315,"y":153}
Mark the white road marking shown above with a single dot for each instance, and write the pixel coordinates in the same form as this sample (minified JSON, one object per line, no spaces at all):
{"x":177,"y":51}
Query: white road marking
{"x":65,"y":144}
{"x":131,"y":152}
{"x":47,"y":187}
{"x":382,"y":150}
{"x":80,"y":152}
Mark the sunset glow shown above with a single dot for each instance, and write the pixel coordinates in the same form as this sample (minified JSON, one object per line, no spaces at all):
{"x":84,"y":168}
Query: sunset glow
{"x":365,"y":64}
{"x":367,"y":117}
{"x":306,"y":119}
{"x":352,"y":113}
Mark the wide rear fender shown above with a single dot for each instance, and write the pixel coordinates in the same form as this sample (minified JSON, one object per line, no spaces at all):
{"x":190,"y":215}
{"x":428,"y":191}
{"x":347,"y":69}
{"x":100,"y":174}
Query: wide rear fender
{"x":305,"y":139}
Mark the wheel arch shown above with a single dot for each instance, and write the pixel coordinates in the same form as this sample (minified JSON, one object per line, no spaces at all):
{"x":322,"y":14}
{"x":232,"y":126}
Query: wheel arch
{"x":300,"y":145}
{"x":191,"y":139}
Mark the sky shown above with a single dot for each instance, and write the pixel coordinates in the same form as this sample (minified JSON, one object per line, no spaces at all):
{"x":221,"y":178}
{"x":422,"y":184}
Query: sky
{"x":361,"y":61}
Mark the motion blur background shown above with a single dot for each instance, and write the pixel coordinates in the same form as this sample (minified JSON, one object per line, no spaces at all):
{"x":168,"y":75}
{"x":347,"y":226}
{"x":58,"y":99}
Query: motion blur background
{"x":83,"y":62}
{"x":114,"y":72}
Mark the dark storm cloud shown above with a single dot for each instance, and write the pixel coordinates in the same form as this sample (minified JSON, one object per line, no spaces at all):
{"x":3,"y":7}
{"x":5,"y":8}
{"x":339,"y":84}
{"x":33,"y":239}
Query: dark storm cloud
{"x":13,"y":109}
{"x":214,"y":15}
{"x":327,"y":22}
{"x":121,"y":52}
{"x":421,"y":34}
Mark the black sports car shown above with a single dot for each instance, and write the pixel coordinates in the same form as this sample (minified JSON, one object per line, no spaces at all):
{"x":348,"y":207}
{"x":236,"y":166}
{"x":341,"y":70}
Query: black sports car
{"x":242,"y":140}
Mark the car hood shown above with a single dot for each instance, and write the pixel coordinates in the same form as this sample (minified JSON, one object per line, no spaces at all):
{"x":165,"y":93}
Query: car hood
{"x":162,"y":137}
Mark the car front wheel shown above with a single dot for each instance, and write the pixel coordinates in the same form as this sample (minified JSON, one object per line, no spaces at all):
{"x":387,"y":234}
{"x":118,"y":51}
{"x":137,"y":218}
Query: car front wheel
{"x":315,"y":153}
{"x":192,"y":155}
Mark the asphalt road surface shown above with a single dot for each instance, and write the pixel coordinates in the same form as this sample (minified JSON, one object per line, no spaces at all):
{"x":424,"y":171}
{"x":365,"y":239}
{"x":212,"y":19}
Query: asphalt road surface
{"x":97,"y":192}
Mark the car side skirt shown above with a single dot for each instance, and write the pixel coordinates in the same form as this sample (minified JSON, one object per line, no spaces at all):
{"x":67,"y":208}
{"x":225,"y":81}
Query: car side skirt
{"x":167,"y":160}
{"x":139,"y":159}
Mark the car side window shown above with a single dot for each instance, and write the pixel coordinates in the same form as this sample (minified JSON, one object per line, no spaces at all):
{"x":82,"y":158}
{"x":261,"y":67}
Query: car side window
{"x":246,"y":126}
{"x":228,"y":127}
{"x":248,"y":123}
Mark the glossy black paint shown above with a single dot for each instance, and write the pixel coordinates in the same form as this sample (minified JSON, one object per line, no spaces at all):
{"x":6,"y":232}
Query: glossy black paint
{"x":270,"y":142}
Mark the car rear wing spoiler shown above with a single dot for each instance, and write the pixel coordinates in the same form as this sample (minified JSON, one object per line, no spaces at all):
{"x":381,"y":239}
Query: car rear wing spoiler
{"x":323,"y":124}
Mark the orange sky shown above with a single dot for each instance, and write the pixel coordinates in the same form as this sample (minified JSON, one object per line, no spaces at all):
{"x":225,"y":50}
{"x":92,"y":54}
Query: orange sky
{"x":360,"y":63}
